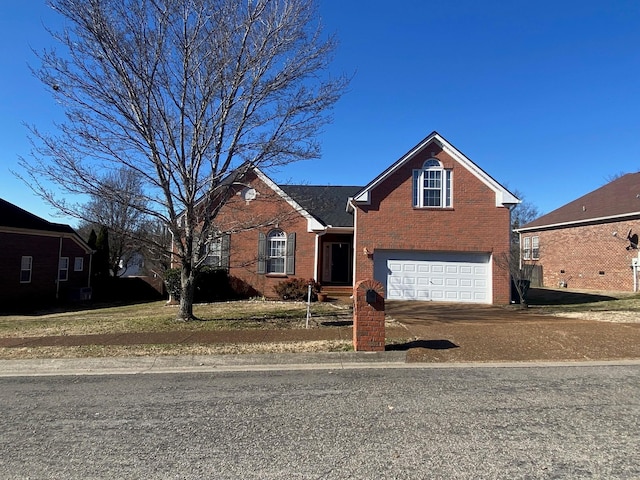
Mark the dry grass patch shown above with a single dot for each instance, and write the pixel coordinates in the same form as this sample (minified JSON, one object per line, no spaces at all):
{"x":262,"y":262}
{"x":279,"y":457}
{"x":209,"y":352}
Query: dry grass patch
{"x":159,"y":317}
{"x":97,"y":351}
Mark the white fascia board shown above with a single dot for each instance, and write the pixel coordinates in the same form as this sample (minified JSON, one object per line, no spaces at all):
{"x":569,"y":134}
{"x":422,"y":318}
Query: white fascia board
{"x":575,"y":223}
{"x":364,"y":196}
{"x":503,"y":196}
{"x":313,"y":224}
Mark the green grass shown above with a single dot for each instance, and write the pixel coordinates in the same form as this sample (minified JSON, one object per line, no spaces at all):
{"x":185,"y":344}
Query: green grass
{"x":159,"y":317}
{"x":559,"y":301}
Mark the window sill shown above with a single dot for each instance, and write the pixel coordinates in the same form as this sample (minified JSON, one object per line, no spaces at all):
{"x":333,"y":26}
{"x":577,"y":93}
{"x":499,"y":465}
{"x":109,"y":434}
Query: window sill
{"x":276,"y":275}
{"x":447,"y":209}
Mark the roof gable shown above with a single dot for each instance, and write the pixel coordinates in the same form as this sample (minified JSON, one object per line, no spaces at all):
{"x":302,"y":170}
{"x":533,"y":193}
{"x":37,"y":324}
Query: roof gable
{"x":15,"y":219}
{"x":503,"y":196}
{"x":13,"y":216}
{"x":619,"y":198}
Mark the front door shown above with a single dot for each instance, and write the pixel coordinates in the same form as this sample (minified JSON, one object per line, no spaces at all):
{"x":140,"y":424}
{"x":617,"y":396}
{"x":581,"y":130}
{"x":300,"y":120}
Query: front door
{"x":336,"y":262}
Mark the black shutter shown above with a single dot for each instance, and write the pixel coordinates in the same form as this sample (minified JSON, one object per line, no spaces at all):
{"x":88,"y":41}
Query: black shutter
{"x":262,"y":253}
{"x":291,"y":254}
{"x":224,"y":251}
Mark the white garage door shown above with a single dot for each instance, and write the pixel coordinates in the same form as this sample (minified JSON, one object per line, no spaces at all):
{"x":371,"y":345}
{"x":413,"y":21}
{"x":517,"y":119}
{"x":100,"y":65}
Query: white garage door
{"x":447,"y":277}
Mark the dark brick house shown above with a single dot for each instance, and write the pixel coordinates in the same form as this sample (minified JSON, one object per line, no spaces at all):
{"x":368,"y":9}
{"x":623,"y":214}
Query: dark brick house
{"x":590,"y":243}
{"x":427,"y":228}
{"x":41,"y":261}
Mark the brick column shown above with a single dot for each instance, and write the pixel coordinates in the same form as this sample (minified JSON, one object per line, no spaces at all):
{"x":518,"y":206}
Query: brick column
{"x":368,"y":318}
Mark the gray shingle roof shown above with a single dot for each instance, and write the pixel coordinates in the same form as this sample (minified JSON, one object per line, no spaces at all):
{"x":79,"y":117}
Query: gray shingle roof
{"x":617,"y":198}
{"x":326,"y":203}
{"x":15,"y":217}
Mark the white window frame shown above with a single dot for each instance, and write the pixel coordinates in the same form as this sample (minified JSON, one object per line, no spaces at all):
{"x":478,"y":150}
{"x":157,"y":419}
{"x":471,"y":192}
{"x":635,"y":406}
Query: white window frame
{"x":535,"y":248}
{"x":26,"y":266}
{"x":78,"y":264}
{"x":433,"y":177}
{"x":276,"y":252}
{"x":63,"y":267}
{"x":214,"y":252}
{"x":526,"y":248}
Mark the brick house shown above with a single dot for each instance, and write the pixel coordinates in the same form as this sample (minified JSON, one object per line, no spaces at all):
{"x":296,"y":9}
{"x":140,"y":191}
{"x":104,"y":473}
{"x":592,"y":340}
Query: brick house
{"x":427,"y":228}
{"x":41,"y":261}
{"x":590,"y":243}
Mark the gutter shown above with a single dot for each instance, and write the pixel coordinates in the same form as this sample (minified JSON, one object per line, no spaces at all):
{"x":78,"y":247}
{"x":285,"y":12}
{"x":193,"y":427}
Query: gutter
{"x":585,"y":221}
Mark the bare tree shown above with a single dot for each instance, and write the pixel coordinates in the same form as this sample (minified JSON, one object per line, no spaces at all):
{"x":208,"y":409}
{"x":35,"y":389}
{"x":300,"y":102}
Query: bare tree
{"x":521,"y":273}
{"x":186,"y":93}
{"x":119,"y":207}
{"x":522,"y":213}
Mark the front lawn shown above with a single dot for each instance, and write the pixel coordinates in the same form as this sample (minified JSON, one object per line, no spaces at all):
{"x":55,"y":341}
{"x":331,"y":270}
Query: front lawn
{"x":159,"y":317}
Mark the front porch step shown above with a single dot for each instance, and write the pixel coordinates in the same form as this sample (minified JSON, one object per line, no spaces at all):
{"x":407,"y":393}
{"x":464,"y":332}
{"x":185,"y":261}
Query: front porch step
{"x":337,"y":291}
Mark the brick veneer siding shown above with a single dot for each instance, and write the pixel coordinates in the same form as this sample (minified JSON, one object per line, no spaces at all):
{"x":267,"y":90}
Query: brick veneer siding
{"x":582,"y":252}
{"x":368,"y":318}
{"x":271,"y":211}
{"x":44,"y":250}
{"x":473,"y":224}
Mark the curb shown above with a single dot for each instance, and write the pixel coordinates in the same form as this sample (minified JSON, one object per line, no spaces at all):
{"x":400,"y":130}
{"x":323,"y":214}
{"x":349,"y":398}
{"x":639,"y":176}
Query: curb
{"x":257,"y":362}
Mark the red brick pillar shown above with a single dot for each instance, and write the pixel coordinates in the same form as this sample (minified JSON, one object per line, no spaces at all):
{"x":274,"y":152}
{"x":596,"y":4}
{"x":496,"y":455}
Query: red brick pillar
{"x":368,"y":317}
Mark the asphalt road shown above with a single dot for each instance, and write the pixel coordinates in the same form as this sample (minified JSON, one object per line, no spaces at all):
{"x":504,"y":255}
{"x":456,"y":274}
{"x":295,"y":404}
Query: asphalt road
{"x":458,"y":423}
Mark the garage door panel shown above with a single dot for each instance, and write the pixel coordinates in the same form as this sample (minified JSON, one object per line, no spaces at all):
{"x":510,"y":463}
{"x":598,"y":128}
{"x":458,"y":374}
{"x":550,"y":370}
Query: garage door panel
{"x":434,"y":276}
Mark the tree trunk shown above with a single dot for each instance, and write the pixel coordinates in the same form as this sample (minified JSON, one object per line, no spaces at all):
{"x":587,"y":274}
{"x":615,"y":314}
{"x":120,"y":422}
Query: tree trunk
{"x":187,"y":284}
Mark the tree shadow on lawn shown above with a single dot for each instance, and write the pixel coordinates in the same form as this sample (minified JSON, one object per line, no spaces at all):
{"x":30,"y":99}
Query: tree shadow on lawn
{"x":545,"y":297}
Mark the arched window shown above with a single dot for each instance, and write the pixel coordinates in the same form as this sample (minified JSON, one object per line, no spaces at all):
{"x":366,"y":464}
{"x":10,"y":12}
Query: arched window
{"x":432,"y":185}
{"x":276,"y":251}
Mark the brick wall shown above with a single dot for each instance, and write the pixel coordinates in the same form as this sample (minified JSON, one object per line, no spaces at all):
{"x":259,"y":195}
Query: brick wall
{"x":267,"y":211}
{"x":44,"y":250}
{"x":588,"y":257}
{"x":473,"y":224}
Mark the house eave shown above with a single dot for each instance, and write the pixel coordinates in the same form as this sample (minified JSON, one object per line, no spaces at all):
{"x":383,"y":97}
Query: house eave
{"x":575,"y":223}
{"x":48,"y":233}
{"x":503,"y":198}
{"x":313,"y":224}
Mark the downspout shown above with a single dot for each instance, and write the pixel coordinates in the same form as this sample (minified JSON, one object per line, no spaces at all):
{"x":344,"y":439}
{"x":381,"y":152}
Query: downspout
{"x":58,"y":271}
{"x":90,"y":268}
{"x":355,"y":241}
{"x":316,"y":260}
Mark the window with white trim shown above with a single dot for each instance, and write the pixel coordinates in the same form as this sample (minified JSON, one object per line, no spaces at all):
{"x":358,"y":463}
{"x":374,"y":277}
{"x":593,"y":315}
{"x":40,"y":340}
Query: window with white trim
{"x":63,"y":269}
{"x":526,"y":248}
{"x":26,"y":265}
{"x":432,"y":186}
{"x":276,"y":251}
{"x":215,"y":251}
{"x":78,"y":264}
{"x":535,"y":248}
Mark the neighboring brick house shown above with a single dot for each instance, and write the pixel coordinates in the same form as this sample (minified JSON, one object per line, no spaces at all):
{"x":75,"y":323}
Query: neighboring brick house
{"x":427,"y":228}
{"x":41,"y":261}
{"x":590,"y":243}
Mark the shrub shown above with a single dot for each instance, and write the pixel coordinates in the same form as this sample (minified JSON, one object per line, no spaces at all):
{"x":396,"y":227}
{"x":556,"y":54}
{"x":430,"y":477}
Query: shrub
{"x":297,"y":289}
{"x":210,"y":284}
{"x":172,"y":281}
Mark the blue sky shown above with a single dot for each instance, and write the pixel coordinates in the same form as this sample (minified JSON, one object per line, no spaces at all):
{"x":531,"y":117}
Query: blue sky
{"x":544,"y":96}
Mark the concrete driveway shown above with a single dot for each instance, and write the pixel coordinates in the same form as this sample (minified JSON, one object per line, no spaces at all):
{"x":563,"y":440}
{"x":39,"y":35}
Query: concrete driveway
{"x":449,"y":332}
